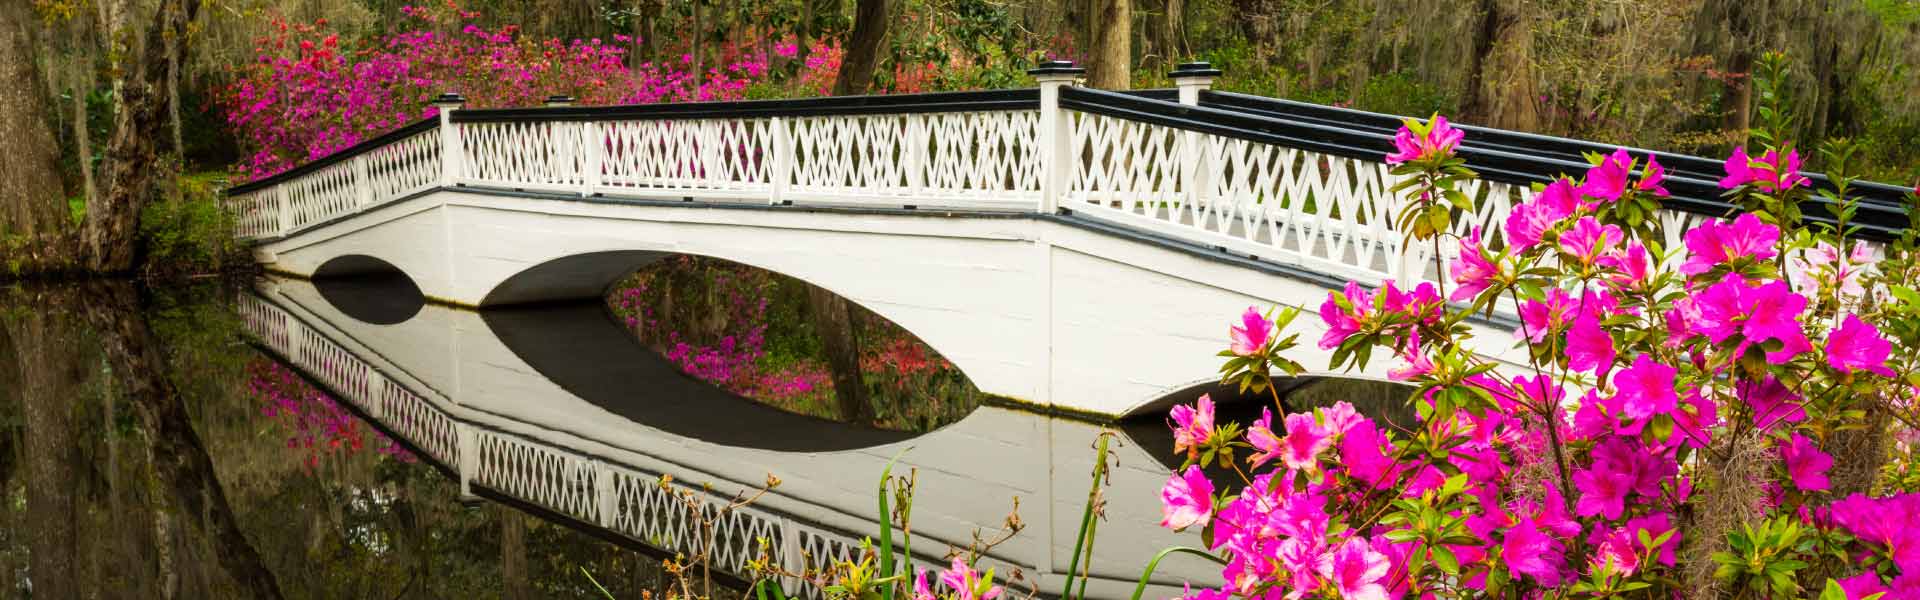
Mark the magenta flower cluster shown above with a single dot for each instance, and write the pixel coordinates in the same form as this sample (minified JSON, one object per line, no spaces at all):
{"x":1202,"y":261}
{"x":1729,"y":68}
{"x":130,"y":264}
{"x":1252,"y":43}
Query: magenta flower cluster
{"x":309,"y":92}
{"x":1573,"y":471}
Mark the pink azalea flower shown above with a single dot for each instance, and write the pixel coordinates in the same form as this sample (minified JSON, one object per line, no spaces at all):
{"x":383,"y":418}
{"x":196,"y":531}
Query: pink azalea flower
{"x":1770,"y":401}
{"x":965,"y":581}
{"x":1473,"y":271}
{"x":1857,"y":345}
{"x":1646,"y":389}
{"x":1440,"y":140}
{"x":1531,"y":552}
{"x":1714,"y":243}
{"x":1417,"y":362}
{"x":1589,"y":348}
{"x":1756,"y":314}
{"x":1530,"y":220}
{"x":1356,"y":570}
{"x":1607,"y":180}
{"x":1539,"y":319}
{"x":1589,"y":240}
{"x":1340,"y":417}
{"x":1364,"y":454}
{"x":1261,"y":436}
{"x":922,"y":591}
{"x":1867,"y":583}
{"x":1651,"y":178}
{"x":1633,"y":265}
{"x":1191,"y":426}
{"x":1893,"y":523}
{"x":1824,"y":263}
{"x":1342,"y":324}
{"x":1250,"y":337}
{"x":1186,"y":500}
{"x":1305,"y":439}
{"x":1601,"y":492}
{"x":1806,"y":465}
{"x":1768,"y":173}
{"x":1206,"y":594}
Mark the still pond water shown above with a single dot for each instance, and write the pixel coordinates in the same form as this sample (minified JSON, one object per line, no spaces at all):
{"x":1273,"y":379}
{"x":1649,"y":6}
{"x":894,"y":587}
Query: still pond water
{"x":345,"y":439}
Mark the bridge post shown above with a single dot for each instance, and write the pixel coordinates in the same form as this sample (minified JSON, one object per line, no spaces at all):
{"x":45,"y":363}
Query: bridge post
{"x":1196,"y":168}
{"x":606,"y":495}
{"x":1056,"y":131}
{"x":565,"y":154}
{"x":450,"y":154}
{"x":781,"y":169}
{"x":466,"y":454}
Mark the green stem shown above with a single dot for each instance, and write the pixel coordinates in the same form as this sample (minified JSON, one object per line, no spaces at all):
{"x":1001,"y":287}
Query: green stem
{"x":1155,"y":564}
{"x":1086,"y":522}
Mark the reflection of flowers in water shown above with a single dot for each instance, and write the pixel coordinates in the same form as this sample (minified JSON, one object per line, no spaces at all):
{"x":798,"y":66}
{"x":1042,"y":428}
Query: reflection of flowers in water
{"x":320,"y":425}
{"x":745,"y":330}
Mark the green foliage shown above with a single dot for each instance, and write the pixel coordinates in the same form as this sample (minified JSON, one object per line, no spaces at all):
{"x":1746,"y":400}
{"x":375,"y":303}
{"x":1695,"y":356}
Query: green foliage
{"x":1765,"y":559}
{"x":190,"y":234}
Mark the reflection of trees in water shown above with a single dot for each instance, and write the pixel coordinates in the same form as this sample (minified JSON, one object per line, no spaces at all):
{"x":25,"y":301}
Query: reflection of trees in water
{"x":135,"y":462}
{"x":749,"y":331}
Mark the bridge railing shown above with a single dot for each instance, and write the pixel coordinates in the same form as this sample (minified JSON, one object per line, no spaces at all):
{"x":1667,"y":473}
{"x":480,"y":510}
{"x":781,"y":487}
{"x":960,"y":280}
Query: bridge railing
{"x":1258,"y":177}
{"x":488,"y":457}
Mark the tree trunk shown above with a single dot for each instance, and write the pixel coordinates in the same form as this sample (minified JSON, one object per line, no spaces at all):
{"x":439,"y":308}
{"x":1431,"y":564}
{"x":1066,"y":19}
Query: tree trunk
{"x":31,"y":199}
{"x":180,"y":460}
{"x":513,"y":554}
{"x":1738,"y":94}
{"x":112,"y":223}
{"x":644,"y":48}
{"x":1503,"y":46}
{"x":1110,"y":59}
{"x":173,"y":98}
{"x":833,"y":320}
{"x":863,"y":48}
{"x":82,"y":133}
{"x":52,"y":373}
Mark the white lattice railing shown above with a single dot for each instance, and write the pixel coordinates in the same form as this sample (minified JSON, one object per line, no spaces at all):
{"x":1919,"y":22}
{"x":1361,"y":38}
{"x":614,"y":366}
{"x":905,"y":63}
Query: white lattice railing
{"x":1135,"y":162}
{"x":595,"y":492}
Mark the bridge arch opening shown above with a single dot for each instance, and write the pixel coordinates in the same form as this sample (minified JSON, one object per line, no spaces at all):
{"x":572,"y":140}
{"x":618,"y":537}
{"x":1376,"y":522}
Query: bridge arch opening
{"x":369,"y":289}
{"x":757,"y":334}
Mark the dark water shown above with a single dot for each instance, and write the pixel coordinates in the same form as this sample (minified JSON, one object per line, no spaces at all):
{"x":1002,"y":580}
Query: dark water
{"x":344,"y":438}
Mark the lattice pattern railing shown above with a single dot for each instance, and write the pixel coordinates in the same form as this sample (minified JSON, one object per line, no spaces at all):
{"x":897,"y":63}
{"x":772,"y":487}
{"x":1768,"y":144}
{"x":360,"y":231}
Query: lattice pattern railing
{"x":623,"y":500}
{"x":392,"y":170}
{"x":1196,"y":174}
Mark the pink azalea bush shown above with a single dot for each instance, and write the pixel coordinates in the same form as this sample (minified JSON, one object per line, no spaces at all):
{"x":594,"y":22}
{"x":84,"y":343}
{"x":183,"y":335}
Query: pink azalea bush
{"x":309,"y":92}
{"x":1687,"y":421}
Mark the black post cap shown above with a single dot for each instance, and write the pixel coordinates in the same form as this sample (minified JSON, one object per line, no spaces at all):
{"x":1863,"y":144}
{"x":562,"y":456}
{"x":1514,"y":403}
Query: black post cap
{"x":1056,"y":67}
{"x":560,"y":99}
{"x":450,"y":98}
{"x":1194,"y":69}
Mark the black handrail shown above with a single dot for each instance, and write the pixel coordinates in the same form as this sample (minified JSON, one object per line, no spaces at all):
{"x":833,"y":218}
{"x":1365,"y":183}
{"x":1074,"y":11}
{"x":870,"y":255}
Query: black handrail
{"x":343,"y":154}
{"x":1559,"y":147}
{"x":1503,"y":160}
{"x":935,"y":102}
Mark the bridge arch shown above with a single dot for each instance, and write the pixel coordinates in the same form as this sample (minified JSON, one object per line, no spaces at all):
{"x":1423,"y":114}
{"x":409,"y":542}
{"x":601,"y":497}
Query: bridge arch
{"x":369,"y":289}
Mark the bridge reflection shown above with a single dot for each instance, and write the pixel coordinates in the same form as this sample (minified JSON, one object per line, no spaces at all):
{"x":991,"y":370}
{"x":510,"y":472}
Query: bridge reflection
{"x":558,"y":410}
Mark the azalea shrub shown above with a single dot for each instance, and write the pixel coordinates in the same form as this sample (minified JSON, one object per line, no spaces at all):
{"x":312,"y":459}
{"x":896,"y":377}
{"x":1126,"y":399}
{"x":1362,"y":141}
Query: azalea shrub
{"x":1729,"y":417}
{"x":310,"y":92}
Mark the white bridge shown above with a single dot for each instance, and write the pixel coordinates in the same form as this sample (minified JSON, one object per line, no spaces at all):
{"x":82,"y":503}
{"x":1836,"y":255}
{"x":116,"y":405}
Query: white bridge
{"x":1070,"y":248}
